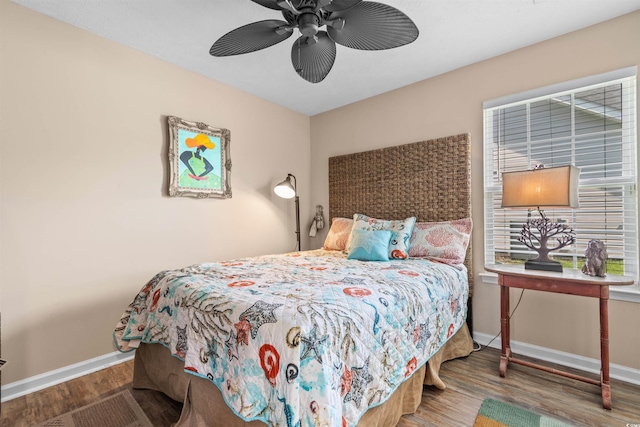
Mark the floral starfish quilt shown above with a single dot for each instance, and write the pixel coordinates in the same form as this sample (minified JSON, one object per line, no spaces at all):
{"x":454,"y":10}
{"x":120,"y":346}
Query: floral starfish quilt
{"x":305,"y":338}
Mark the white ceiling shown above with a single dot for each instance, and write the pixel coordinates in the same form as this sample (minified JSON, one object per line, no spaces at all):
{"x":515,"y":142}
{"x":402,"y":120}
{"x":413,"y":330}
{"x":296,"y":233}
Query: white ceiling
{"x":453,"y":33}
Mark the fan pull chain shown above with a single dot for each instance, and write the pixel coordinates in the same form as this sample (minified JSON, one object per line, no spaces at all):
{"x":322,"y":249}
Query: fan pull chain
{"x":299,"y":68}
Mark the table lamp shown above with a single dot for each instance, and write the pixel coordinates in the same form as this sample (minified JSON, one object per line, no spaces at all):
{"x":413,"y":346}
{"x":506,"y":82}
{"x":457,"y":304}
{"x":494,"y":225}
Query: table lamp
{"x":555,"y":187}
{"x":287,"y":190}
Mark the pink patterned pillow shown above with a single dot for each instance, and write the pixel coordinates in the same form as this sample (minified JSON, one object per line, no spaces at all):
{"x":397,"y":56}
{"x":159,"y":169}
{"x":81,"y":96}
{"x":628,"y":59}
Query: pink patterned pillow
{"x":444,"y":242}
{"x":338,"y":234}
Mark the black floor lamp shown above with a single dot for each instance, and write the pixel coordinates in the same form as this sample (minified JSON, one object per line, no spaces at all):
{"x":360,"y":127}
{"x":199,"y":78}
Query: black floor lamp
{"x":287,"y":189}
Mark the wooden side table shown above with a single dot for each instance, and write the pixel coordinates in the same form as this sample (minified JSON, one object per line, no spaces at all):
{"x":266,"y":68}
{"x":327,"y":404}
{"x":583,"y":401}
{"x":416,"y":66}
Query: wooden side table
{"x":570,"y":282}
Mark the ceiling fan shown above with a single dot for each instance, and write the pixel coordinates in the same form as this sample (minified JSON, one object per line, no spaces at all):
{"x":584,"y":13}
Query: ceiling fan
{"x":357,"y":24}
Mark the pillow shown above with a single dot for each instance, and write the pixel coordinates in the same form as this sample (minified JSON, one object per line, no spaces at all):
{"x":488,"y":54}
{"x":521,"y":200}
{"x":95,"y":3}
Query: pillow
{"x":444,"y":242}
{"x":338,"y":234}
{"x":370,"y":245}
{"x":399,"y":245}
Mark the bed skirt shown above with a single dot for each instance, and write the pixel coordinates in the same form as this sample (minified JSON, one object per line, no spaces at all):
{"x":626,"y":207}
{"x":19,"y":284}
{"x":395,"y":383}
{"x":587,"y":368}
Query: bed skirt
{"x":156,"y":369}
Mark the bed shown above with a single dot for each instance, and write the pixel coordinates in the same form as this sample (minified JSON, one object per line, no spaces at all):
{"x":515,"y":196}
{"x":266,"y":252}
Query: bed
{"x":321,"y":337}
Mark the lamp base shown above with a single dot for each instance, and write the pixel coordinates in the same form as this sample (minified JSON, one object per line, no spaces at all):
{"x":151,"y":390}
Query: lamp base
{"x":543,"y":265}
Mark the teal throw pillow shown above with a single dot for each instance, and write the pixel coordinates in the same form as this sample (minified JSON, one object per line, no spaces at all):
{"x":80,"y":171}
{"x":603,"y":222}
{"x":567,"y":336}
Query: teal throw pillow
{"x":402,"y":229}
{"x":370,"y":245}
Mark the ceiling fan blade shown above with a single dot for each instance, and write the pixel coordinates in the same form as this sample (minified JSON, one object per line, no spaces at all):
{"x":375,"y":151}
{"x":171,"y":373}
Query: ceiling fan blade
{"x":373,"y":26}
{"x":271,"y":4}
{"x":337,"y":5}
{"x":251,"y":37}
{"x":313,"y":60}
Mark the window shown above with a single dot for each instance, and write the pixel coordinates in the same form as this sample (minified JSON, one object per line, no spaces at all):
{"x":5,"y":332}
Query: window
{"x":590,"y":123}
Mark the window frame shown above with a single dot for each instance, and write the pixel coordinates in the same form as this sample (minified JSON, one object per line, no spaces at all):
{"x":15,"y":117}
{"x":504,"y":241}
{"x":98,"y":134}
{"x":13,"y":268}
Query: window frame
{"x":627,"y":76}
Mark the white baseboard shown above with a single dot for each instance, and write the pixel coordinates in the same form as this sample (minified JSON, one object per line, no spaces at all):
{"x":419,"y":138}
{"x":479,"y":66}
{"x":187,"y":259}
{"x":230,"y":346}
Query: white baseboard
{"x":586,"y":364}
{"x":48,"y":379}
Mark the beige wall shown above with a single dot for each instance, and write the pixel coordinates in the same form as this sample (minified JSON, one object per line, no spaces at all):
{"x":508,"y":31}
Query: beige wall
{"x":451,"y":104}
{"x":85,"y":218}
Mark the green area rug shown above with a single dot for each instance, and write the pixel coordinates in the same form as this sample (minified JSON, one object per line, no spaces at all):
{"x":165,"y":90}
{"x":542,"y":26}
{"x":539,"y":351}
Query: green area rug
{"x":494,"y":413}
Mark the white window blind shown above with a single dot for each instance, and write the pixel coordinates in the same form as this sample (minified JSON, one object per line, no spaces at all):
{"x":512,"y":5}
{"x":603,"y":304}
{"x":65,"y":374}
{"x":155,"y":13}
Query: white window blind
{"x":590,"y":123}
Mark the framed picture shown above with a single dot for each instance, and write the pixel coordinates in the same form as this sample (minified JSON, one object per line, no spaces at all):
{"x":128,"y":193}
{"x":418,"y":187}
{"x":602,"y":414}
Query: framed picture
{"x":199,"y":158}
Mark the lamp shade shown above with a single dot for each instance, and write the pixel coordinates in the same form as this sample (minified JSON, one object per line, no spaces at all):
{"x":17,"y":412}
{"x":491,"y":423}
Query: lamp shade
{"x":546,"y":187}
{"x":285,"y":189}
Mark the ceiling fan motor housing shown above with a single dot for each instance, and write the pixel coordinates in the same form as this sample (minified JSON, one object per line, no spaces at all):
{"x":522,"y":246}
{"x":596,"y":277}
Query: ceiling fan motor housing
{"x":308,"y":24}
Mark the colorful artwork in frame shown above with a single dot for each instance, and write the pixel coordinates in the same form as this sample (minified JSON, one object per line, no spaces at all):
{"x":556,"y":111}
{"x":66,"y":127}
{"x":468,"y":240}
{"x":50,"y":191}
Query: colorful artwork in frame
{"x":200,"y":159}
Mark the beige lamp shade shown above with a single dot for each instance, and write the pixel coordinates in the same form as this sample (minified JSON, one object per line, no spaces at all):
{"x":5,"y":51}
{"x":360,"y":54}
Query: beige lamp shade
{"x":546,"y":187}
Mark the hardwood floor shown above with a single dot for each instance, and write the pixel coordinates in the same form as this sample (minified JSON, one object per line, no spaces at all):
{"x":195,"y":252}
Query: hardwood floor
{"x":468,"y":380}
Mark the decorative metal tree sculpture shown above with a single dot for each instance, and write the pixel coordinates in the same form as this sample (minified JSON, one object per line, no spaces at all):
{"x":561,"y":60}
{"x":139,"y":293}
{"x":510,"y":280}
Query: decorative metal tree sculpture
{"x":546,"y":229}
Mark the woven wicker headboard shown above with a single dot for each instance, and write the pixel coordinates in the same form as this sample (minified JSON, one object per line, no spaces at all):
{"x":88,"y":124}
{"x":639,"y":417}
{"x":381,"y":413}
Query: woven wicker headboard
{"x":430,"y":180}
